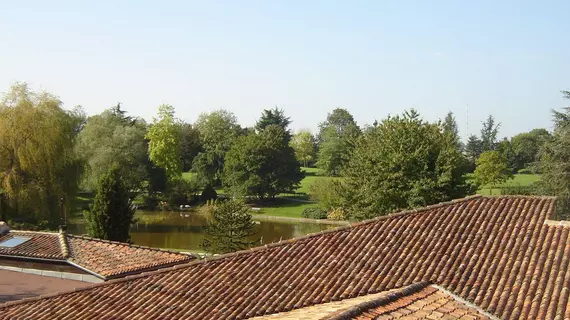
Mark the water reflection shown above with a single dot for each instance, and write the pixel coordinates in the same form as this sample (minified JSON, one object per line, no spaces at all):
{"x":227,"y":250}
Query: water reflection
{"x":185,"y":231}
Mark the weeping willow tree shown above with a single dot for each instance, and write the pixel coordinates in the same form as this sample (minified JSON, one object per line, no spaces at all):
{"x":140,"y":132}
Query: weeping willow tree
{"x":39,"y":170}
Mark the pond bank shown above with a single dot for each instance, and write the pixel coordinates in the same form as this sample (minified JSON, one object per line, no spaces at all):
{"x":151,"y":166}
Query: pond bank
{"x":262,"y":217}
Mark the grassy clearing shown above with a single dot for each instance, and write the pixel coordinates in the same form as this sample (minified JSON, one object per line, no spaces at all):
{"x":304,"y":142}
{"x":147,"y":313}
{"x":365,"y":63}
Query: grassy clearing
{"x":282,"y":207}
{"x":518,"y":180}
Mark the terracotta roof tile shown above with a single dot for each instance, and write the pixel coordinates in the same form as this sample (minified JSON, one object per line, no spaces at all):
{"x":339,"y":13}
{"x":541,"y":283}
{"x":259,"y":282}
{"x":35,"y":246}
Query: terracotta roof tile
{"x":496,"y":252}
{"x":41,"y":245}
{"x":106,"y":259}
{"x":110,"y":259}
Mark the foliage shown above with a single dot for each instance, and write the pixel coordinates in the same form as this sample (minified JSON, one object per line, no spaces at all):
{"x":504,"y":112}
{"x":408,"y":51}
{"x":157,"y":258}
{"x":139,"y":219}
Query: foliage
{"x":328,"y":193}
{"x":403,"y":163}
{"x":451,"y":129}
{"x":337,"y":214}
{"x":112,"y":212}
{"x":273,"y":117}
{"x":473,"y":150}
{"x":314,"y":213}
{"x":190,"y":145}
{"x":491,"y":169}
{"x":262,"y":165}
{"x":113,"y":138}
{"x":489,"y":134}
{"x":336,"y":139}
{"x":218,"y":131}
{"x":555,"y":161}
{"x":180,"y":191}
{"x":526,"y":147}
{"x":229,"y":229}
{"x":208,"y":193}
{"x":164,"y":142}
{"x":304,"y":144}
{"x":519,"y":190}
{"x":38,"y":165}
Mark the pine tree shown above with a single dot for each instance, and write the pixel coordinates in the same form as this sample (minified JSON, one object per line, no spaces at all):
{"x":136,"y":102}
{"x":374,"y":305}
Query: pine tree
{"x":230,"y":228}
{"x":112,"y":213}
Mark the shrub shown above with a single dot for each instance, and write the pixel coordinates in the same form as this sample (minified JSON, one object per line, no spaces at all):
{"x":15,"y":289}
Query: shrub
{"x":179,"y":192}
{"x":327,"y":193}
{"x":314,"y":213}
{"x":208,"y":194}
{"x":337,"y":214}
{"x":526,"y":171}
{"x":519,"y":190}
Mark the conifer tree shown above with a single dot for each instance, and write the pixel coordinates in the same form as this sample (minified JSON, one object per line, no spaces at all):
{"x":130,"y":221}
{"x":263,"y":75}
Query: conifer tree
{"x":112,"y":212}
{"x":230,"y":228}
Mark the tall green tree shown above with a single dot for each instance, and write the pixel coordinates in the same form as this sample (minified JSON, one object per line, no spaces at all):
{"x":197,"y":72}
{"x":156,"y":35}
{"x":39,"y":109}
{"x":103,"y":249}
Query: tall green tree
{"x":230,"y":228}
{"x":555,"y":162}
{"x":473,"y":149}
{"x":112,"y":212}
{"x":262,"y":165}
{"x":38,"y":165}
{"x":304,"y":143}
{"x":110,"y":138}
{"x":526,"y":147}
{"x":273,"y":116}
{"x":336,"y":138}
{"x":451,"y":128}
{"x":218,"y":131}
{"x":164,"y":141}
{"x":489,"y":134}
{"x":190,"y":145}
{"x":404,"y":163}
{"x":491,"y":169}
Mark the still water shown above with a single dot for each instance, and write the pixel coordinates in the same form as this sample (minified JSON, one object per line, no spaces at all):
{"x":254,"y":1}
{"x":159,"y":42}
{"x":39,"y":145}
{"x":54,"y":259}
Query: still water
{"x":174,"y":230}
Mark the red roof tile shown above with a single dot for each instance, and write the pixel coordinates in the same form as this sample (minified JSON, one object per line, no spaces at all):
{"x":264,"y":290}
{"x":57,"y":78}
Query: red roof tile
{"x":496,"y":252}
{"x":105,"y":259}
{"x":110,"y":259}
{"x":41,"y":245}
{"x":416,"y":301}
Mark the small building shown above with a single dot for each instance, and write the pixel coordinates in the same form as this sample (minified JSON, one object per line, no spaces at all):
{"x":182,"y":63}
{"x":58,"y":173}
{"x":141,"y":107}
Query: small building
{"x":71,"y":257}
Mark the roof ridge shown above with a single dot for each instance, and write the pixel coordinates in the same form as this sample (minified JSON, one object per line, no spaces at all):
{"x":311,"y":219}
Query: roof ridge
{"x":248,"y":251}
{"x":63,"y":244}
{"x":464,"y":301}
{"x":123,"y":244}
{"x":38,"y":232}
{"x":358,"y":309}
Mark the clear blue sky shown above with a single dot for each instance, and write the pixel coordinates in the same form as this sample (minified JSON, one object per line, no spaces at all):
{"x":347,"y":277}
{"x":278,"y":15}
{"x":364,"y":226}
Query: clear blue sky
{"x":507,"y":58}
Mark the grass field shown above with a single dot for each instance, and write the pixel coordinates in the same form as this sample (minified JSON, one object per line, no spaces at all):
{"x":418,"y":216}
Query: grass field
{"x":518,"y":180}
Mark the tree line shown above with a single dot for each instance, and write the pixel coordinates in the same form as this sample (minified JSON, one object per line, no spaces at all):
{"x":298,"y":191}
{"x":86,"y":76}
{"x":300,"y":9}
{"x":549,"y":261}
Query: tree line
{"x":49,"y":154}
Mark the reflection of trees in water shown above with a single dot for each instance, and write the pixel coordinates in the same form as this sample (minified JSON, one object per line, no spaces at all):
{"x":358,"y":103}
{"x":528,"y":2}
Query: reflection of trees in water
{"x":186,"y":233}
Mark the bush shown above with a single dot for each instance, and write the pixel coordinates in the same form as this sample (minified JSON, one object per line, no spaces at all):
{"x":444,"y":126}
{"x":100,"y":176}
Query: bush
{"x":337,"y":214}
{"x":208,"y":194}
{"x":519,"y":190}
{"x":327,"y":193}
{"x":145,"y":201}
{"x":314,"y":213}
{"x":525,"y":171}
{"x":179,"y":192}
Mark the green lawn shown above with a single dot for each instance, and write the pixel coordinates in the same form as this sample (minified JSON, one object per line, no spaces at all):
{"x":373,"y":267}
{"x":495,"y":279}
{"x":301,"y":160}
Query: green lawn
{"x":283,"y":207}
{"x":518,"y":180}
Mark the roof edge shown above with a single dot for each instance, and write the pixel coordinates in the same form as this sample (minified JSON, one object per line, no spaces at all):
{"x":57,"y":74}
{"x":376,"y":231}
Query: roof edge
{"x":126,"y":244}
{"x":465,"y":302}
{"x":358,"y":309}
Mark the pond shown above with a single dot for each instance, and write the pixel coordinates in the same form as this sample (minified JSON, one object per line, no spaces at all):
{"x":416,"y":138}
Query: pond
{"x":175,"y":230}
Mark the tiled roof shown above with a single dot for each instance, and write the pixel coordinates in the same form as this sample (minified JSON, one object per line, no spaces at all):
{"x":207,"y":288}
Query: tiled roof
{"x":41,"y":245}
{"x":496,"y":252}
{"x":417,"y":301}
{"x":110,"y":259}
{"x":105,"y":259}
